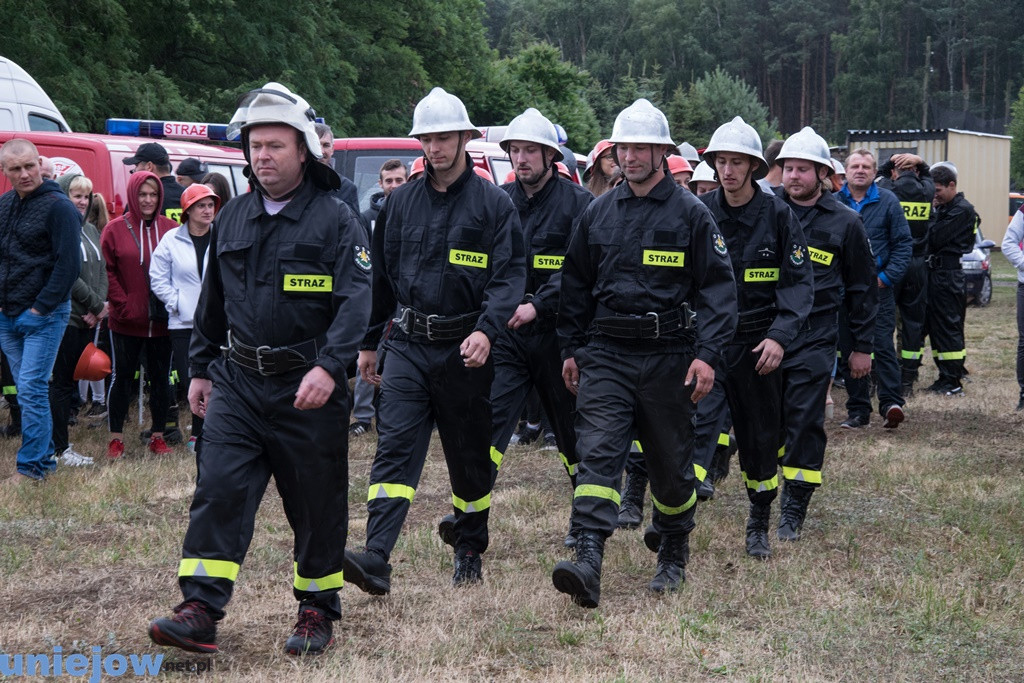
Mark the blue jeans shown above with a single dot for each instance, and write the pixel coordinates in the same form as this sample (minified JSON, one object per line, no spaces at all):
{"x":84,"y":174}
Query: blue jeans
{"x":30,"y":343}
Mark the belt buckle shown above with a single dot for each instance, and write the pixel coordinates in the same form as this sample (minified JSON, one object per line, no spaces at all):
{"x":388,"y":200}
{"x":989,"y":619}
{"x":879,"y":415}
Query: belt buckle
{"x":403,"y":320}
{"x":690,"y":316}
{"x":430,"y":319}
{"x":260,"y":350}
{"x":657,"y":323}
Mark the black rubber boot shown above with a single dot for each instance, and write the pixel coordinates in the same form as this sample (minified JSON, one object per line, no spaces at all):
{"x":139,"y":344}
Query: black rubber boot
{"x":570,"y":538}
{"x":672,"y":558}
{"x":652,"y":539}
{"x":446,"y":529}
{"x":795,"y":498}
{"x":581,"y":580}
{"x":468,"y":568}
{"x":705,"y":489}
{"x":368,"y":571}
{"x":757,"y":531}
{"x":631,"y":510}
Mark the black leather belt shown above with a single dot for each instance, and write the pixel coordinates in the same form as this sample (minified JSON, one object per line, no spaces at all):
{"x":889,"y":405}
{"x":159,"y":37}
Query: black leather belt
{"x":647,"y":325}
{"x":420,"y":326}
{"x":276,"y":360}
{"x":756,"y":321}
{"x":943,"y":262}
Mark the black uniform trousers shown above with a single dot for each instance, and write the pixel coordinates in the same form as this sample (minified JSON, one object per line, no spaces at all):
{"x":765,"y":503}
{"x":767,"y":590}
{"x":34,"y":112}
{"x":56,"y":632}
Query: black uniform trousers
{"x":945,"y":323}
{"x":63,"y":386}
{"x":884,"y":364}
{"x":253,"y":431}
{"x":525,"y":359}
{"x":620,"y":393}
{"x":710,"y":428}
{"x":127,"y":350}
{"x":755,"y":402}
{"x":806,"y":370}
{"x":424,"y":384}
{"x":912,"y":305}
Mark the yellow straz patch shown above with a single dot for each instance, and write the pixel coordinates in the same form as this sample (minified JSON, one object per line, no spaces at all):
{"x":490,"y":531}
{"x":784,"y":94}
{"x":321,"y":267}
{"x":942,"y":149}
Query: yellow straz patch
{"x":546,"y":262}
{"x":916,"y":211}
{"x":308,"y":283}
{"x":174,"y":214}
{"x":672,"y":259}
{"x":760,"y":274}
{"x":474,"y":259}
{"x":819,"y":256}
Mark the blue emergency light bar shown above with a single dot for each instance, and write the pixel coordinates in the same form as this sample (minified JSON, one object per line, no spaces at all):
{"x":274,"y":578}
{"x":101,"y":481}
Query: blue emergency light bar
{"x":178,"y":130}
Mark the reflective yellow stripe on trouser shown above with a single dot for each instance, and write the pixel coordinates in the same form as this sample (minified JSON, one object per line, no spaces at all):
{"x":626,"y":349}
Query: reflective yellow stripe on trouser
{"x":760,"y":486}
{"x":217,"y":569}
{"x":595,"y":491}
{"x":699,"y":472}
{"x":569,"y":467}
{"x":911,"y":355}
{"x":950,"y":355}
{"x":496,"y":457}
{"x":473,"y":505}
{"x":390,"y":491}
{"x":666,"y":510}
{"x":800,"y":474}
{"x":723,"y":439}
{"x":324,"y":583}
{"x":10,"y":390}
{"x":782,"y":451}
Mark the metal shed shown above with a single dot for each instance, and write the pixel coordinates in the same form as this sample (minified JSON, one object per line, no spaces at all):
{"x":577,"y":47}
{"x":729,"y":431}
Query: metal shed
{"x":982,"y":161}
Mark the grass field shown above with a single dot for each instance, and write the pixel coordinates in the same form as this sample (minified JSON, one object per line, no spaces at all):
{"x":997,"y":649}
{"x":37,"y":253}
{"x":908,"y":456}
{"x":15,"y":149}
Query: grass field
{"x":910,"y":568}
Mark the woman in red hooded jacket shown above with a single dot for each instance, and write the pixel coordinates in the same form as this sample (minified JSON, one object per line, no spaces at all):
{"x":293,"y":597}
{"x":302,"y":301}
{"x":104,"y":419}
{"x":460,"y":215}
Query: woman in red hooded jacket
{"x":128,"y":243}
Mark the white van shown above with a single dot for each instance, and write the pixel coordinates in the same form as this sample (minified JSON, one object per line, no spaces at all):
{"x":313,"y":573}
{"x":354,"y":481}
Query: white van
{"x":24,"y":106}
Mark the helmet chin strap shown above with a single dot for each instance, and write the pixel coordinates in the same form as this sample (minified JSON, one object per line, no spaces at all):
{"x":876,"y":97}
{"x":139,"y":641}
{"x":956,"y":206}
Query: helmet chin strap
{"x":662,"y":165}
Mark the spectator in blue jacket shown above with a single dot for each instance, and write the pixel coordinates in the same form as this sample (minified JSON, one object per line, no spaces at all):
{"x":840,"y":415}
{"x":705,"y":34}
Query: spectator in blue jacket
{"x":892,"y":247}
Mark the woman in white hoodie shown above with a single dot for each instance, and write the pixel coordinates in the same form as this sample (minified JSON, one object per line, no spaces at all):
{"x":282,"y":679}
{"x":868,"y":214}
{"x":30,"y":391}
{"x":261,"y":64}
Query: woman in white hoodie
{"x":176,"y":277}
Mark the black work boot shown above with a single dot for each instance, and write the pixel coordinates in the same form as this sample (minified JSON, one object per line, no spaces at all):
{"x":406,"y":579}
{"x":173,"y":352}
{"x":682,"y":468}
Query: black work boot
{"x":312,"y":634}
{"x":720,"y":461}
{"x":446,"y":529}
{"x":631,"y":510}
{"x":368,"y":571}
{"x":14,"y":428}
{"x":652,"y":539}
{"x":190,"y":628}
{"x":672,"y":558}
{"x":468,"y":568}
{"x":705,"y":489}
{"x":570,"y":538}
{"x":757,"y":531}
{"x":581,"y":580}
{"x":795,"y":498}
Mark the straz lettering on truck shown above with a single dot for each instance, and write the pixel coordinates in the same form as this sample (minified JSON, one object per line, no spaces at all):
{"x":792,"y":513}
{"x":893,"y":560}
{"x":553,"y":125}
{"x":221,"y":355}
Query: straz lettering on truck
{"x":760,"y":274}
{"x":473,"y":259}
{"x":916,"y":211}
{"x":671,"y":259}
{"x":308,"y":283}
{"x":819,"y":256}
{"x":546,"y":262}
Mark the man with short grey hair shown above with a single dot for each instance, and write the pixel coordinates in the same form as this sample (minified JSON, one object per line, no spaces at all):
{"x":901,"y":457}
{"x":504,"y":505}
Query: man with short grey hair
{"x":348,"y":192}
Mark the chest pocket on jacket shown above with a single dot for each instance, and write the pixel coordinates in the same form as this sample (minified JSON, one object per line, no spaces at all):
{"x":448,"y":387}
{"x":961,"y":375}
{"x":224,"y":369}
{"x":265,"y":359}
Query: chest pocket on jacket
{"x":761,"y":263}
{"x":404,"y":251}
{"x":468,"y":251}
{"x":664,"y":252}
{"x":233,"y":256}
{"x":305,"y":271}
{"x":547,"y":252}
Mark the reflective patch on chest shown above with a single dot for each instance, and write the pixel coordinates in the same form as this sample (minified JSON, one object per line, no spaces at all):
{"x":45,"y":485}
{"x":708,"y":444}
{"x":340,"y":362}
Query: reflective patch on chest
{"x":761,"y":275}
{"x":308,"y":283}
{"x":173,"y":214}
{"x":916,"y":211}
{"x":547,"y":262}
{"x":670,"y":259}
{"x":473,"y":259}
{"x":821,"y":257}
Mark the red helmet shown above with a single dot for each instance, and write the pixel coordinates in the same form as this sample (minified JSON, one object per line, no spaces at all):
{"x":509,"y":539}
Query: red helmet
{"x":417,"y":166}
{"x":677,"y":164}
{"x":196,"y":191}
{"x":93,"y":364}
{"x":563,"y":170}
{"x":483,"y":173}
{"x":510,"y":177}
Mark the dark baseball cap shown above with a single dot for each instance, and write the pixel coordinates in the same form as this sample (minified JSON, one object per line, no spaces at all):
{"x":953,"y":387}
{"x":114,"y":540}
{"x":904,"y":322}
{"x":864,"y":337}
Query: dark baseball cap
{"x":150,"y":151}
{"x":193,"y":168}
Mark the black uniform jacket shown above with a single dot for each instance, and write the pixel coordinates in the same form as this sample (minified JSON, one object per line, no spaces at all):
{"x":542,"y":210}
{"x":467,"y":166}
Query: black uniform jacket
{"x":633,"y":255}
{"x":953,"y":228}
{"x":548,"y":218}
{"x":301,"y":274}
{"x":844,"y":269}
{"x":915,"y":190}
{"x":447,"y":253}
{"x":769,"y":260}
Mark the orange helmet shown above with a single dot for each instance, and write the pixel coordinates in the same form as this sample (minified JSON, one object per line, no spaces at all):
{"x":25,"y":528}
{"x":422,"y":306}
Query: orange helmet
{"x":563,"y":170}
{"x":196,"y":191}
{"x":510,"y":177}
{"x":677,"y":164}
{"x":595,"y":154}
{"x":417,"y":167}
{"x":483,"y":173}
{"x":93,"y":364}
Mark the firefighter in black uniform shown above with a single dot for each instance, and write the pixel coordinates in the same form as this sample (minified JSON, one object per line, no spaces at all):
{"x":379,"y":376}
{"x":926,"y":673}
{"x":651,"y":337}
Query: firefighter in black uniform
{"x":951,"y":236}
{"x":526,"y":350}
{"x":909,"y":178}
{"x":643,"y":256}
{"x":282,"y":312}
{"x":450,"y":266}
{"x":775,"y":290}
{"x":844,"y":275}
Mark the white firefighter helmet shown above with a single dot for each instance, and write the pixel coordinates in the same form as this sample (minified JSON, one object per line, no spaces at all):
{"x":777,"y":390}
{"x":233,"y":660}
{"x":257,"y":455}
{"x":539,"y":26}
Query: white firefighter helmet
{"x":641,"y":123}
{"x":689,"y":152}
{"x":740,"y":137}
{"x":809,"y":146}
{"x":532,"y":126}
{"x":275,"y":104}
{"x":440,"y":112}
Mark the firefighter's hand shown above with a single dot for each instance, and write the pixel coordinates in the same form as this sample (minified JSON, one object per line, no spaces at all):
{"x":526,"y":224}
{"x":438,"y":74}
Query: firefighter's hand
{"x":771,"y":355}
{"x":367,"y":365}
{"x":704,"y":375}
{"x":571,"y":375}
{"x":475,"y":349}
{"x":199,"y":395}
{"x":526,"y":313}
{"x":859,"y":364}
{"x":314,"y":390}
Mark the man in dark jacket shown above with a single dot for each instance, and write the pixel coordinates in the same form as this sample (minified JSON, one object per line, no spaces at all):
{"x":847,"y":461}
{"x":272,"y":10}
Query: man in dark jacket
{"x":892,"y":247}
{"x":39,"y":263}
{"x":392,"y":174}
{"x":347,"y":190}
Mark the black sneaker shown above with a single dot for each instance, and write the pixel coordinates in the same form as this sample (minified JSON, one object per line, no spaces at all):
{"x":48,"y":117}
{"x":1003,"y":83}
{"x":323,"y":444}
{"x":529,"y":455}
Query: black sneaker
{"x":550,"y":443}
{"x":528,"y":435}
{"x":468,"y":569}
{"x":368,"y":572}
{"x":854,"y":422}
{"x":190,"y":628}
{"x":359,"y":428}
{"x":312,"y":634}
{"x":97,"y":411}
